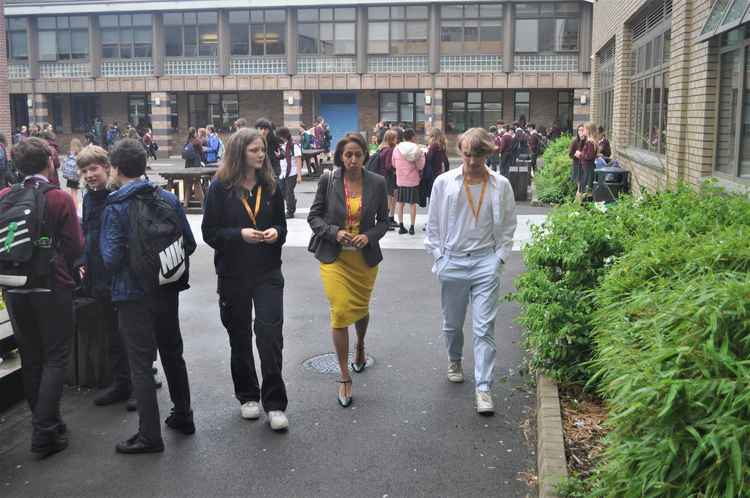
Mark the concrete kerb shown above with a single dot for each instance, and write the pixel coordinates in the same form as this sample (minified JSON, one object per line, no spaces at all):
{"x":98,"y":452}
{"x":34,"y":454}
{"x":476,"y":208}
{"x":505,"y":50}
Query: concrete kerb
{"x":551,"y":463}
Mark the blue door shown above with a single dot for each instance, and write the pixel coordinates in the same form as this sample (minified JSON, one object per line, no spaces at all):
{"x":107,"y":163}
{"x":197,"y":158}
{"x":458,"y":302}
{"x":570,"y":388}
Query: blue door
{"x":341,"y":113}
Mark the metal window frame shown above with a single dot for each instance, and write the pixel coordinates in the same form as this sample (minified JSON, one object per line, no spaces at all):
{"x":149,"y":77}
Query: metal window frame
{"x":25,"y":31}
{"x":721,"y":27}
{"x":265,"y":30}
{"x":70,"y":30}
{"x":333,"y":21}
{"x":479,"y":19}
{"x":196,"y":26}
{"x":482,"y":102}
{"x":398,"y":106}
{"x":147,"y":103}
{"x":132,"y":29}
{"x":515,"y":103}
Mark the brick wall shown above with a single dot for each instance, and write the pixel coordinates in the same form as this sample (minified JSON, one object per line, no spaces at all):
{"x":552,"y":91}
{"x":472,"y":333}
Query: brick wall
{"x":691,"y":107}
{"x":367,"y":104}
{"x":262,"y":105}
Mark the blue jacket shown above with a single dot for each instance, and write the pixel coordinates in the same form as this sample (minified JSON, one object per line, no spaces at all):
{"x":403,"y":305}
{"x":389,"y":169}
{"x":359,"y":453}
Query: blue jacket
{"x":114,"y":241}
{"x":98,"y":279}
{"x":212,"y":154}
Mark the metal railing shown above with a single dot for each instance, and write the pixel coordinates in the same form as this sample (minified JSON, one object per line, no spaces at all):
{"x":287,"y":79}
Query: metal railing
{"x":546,"y":63}
{"x":316,"y":64}
{"x":123,"y":68}
{"x":18,"y":71}
{"x":397,"y":64}
{"x":258,"y":65}
{"x":191,"y":66}
{"x":53,"y":70}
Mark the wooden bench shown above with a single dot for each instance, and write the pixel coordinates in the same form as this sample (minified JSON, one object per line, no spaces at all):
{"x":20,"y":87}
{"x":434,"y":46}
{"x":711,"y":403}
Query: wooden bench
{"x":187,"y":177}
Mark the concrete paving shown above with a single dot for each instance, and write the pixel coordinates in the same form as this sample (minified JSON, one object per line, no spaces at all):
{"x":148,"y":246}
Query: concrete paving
{"x":408,"y":433}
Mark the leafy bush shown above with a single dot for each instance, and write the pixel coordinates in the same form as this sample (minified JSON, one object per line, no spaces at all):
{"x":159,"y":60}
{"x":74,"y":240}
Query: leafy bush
{"x":552,"y":183}
{"x":672,"y":336}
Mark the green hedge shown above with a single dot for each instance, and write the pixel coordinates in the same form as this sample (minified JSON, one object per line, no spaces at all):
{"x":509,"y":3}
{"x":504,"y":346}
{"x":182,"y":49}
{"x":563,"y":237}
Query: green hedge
{"x":552,"y":183}
{"x":667,"y":343}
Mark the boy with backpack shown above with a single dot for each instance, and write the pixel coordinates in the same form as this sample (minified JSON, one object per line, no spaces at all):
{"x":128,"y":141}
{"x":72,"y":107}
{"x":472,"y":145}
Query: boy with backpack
{"x":40,"y":238}
{"x":145,"y":242}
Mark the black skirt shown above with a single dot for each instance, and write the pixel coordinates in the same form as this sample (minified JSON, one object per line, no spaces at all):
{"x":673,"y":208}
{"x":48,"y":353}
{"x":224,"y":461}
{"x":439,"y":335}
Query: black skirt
{"x":407,"y":195}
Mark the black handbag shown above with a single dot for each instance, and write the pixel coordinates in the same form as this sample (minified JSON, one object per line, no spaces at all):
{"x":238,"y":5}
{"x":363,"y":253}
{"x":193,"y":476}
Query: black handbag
{"x":317,"y":239}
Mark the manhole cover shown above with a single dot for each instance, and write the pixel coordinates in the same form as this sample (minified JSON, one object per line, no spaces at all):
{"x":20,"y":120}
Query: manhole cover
{"x":328,"y":363}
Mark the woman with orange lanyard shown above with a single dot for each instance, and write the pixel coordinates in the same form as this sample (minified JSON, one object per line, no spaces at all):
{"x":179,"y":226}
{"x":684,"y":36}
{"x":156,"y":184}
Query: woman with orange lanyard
{"x":349,"y":216}
{"x":243,"y":220}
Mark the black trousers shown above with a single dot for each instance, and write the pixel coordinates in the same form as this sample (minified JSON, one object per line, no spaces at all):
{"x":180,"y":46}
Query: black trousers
{"x":506,"y":161}
{"x":43,"y":325}
{"x":288,"y":185}
{"x":147,"y":324}
{"x":237,"y":299}
{"x":118,"y":353}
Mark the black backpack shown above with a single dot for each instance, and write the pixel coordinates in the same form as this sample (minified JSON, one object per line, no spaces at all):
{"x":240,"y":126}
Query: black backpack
{"x":373,"y":163}
{"x":27,"y":250}
{"x":156,"y":249}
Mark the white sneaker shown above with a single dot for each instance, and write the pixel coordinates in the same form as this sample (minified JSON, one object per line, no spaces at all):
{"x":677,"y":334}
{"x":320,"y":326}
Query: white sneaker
{"x":455,"y":371}
{"x":278,"y":420}
{"x":484,"y":402}
{"x":250,"y":410}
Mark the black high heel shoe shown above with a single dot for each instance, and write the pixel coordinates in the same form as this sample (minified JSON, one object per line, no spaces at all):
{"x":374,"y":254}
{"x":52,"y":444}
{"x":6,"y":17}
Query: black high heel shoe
{"x":344,"y":401}
{"x":359,"y":368}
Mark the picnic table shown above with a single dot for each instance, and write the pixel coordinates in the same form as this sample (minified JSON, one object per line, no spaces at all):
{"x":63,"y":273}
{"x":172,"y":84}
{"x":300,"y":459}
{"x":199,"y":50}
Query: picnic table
{"x":188,"y":177}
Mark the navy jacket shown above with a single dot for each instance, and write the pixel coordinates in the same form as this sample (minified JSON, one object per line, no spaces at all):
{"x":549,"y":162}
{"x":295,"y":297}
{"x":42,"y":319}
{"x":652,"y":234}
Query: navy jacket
{"x":98,"y":278}
{"x":114,"y":241}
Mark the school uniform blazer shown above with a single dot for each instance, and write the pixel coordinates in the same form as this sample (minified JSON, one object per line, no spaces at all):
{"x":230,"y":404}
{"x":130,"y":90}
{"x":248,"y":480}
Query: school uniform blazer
{"x":326,"y":218}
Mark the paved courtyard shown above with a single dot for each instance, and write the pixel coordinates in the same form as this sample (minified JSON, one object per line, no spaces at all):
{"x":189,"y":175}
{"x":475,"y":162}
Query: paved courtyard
{"x":409,"y":432}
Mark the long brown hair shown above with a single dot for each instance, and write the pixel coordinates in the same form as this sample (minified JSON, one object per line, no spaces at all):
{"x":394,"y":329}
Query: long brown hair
{"x":437,"y":137}
{"x":234,"y":167}
{"x":390,"y":139}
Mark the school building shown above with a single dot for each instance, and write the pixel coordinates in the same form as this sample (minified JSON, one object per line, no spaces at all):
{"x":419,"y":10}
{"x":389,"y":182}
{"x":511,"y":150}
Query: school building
{"x":671,"y":81}
{"x":174,"y":64}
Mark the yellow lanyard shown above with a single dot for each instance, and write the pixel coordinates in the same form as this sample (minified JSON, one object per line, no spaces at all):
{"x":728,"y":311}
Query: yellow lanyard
{"x":470,"y":198}
{"x":252,"y":214}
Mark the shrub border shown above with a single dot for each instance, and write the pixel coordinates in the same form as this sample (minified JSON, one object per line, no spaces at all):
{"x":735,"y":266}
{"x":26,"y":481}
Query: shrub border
{"x":551,"y":463}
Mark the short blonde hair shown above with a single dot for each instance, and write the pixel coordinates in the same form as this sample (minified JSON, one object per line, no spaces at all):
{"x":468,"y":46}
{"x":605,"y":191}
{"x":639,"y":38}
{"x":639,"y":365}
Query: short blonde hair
{"x":75,"y":146}
{"x":92,"y":154}
{"x":479,"y":140}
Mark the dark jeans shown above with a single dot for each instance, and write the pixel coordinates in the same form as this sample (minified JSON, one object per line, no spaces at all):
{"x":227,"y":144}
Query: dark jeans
{"x":506,"y":161}
{"x":118,"y":353}
{"x":288,"y":185}
{"x":586,"y":178}
{"x":43,"y":326}
{"x":147,"y":324}
{"x":237,"y":298}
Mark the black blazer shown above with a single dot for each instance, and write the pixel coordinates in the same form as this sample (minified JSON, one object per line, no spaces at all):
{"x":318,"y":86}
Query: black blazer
{"x":327,"y":218}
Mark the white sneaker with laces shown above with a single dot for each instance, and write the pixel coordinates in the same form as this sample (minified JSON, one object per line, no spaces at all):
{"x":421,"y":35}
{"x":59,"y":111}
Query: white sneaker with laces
{"x":455,"y":371}
{"x":250,"y":410}
{"x":278,"y":420}
{"x":484,"y":402}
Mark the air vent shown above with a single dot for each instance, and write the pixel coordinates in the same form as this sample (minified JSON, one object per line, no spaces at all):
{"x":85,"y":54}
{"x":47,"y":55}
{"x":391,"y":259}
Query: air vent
{"x":650,"y":17}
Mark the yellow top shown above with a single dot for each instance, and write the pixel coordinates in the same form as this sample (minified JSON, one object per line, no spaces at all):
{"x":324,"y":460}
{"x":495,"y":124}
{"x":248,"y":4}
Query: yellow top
{"x":354,"y":211}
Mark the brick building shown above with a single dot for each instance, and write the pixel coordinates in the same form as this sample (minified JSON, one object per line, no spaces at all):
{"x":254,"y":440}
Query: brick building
{"x":178,"y":64}
{"x":671,"y":83}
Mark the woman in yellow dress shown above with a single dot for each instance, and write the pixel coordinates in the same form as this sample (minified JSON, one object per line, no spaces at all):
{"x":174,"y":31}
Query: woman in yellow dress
{"x":349,"y":217}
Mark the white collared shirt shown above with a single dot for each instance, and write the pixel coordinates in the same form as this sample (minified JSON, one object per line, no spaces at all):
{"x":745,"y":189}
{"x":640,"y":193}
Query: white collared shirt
{"x":444,"y":220}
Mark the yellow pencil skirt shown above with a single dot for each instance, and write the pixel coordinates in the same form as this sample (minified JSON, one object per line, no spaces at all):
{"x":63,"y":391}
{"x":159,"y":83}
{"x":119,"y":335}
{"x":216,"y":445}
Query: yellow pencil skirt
{"x":348,"y":284}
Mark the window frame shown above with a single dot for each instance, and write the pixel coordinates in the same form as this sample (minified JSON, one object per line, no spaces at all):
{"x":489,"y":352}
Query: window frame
{"x":399,"y":102}
{"x":131,"y":28}
{"x":334,"y":22}
{"x":393,"y":18}
{"x":478,"y":19}
{"x":555,"y":12}
{"x":210,"y":112}
{"x":80,"y":104}
{"x":64,"y":29}
{"x":516,"y":115}
{"x":606,"y":85}
{"x":482,"y":106}
{"x":743,"y":47}
{"x":147,"y":109}
{"x":197,"y":30}
{"x":265,"y":23}
{"x":11,"y":30}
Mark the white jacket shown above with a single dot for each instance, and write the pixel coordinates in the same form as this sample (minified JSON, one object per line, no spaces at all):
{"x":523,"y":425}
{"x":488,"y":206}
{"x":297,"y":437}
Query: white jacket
{"x":441,"y":217}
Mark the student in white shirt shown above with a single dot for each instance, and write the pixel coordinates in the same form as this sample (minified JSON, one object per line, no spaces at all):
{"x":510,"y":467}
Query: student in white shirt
{"x":470,"y":226}
{"x":291,"y":169}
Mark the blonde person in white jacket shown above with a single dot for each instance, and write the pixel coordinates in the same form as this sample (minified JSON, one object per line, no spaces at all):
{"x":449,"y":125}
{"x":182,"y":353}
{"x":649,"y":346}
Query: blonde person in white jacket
{"x":470,"y":226}
{"x":408,"y":161}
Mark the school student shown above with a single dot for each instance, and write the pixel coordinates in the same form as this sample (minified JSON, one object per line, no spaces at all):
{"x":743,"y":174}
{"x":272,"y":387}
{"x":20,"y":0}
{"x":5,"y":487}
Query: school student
{"x":291,"y":169}
{"x":147,"y":296}
{"x":39,"y":298}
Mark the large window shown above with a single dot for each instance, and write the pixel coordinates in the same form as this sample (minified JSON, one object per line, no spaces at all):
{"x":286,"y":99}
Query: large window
{"x":733,"y":118}
{"x":521,"y":105}
{"x":565,"y":109}
{"x":55,"y":103}
{"x":126,"y":36}
{"x":471,"y":29}
{"x":83,"y":110}
{"x":258,"y":32}
{"x":327,"y":31}
{"x":19,"y":110}
{"x":650,"y":83}
{"x":191,"y":34}
{"x":219,"y":109}
{"x":606,"y":73}
{"x":547,"y":27}
{"x":63,"y":38}
{"x":397,"y":30}
{"x":403,"y":107}
{"x":139,"y":111}
{"x":466,"y":110}
{"x":18,"y":45}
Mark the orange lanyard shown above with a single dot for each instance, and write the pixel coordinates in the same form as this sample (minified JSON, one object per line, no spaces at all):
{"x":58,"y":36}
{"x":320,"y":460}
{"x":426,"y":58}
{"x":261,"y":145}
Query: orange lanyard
{"x":252,"y":214}
{"x":351,"y":218}
{"x":470,"y":198}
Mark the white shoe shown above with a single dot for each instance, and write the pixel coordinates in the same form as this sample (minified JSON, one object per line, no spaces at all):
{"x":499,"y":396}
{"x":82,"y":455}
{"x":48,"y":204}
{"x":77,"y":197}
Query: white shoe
{"x":250,"y":410}
{"x":278,"y":420}
{"x":484,"y":402}
{"x":455,"y":371}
